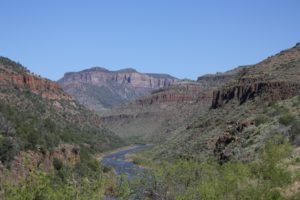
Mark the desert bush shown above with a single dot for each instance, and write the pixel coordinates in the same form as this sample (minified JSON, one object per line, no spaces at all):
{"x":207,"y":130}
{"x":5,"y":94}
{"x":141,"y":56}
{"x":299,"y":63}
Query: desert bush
{"x":124,"y":190}
{"x":286,"y":119}
{"x":295,"y":132}
{"x":191,"y":179}
{"x":106,"y":169}
{"x":7,"y":150}
{"x":260,"y":119}
{"x":277,"y":109}
{"x":42,"y":186}
{"x":57,"y":164}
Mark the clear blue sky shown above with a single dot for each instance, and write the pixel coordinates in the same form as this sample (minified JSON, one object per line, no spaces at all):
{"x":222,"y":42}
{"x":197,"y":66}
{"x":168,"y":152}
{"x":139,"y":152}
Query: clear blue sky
{"x":184,"y":38}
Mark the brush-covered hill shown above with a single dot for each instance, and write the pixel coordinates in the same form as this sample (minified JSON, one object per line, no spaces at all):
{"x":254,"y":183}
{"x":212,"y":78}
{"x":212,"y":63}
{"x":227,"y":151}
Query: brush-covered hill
{"x":99,"y":89}
{"x":242,"y":143}
{"x":256,"y":102}
{"x":37,"y":116}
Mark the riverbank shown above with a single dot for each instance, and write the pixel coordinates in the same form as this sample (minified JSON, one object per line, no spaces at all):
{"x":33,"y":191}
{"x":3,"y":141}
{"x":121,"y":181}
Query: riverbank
{"x":118,"y":161}
{"x":100,"y":156}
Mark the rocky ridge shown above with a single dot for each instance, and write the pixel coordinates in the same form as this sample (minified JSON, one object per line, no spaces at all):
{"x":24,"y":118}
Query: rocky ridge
{"x":246,"y":109}
{"x":273,"y":79}
{"x":98,"y":88}
{"x":23,"y":79}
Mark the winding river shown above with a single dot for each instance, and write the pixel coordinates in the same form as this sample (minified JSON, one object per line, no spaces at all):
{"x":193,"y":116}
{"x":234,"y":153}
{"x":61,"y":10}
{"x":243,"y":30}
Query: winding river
{"x":120,"y":164}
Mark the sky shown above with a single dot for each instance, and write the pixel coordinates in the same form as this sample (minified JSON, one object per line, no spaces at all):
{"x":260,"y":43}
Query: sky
{"x":184,"y":38}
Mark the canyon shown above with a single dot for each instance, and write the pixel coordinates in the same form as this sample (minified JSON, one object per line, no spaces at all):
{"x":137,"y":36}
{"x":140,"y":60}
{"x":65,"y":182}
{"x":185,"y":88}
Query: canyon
{"x":227,"y":117}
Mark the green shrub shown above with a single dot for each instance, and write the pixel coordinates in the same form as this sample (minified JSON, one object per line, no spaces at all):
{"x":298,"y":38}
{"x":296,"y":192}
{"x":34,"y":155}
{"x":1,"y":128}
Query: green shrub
{"x":277,"y":110}
{"x":260,"y":119}
{"x":287,"y":119}
{"x":106,"y":169}
{"x":137,"y":161}
{"x":295,"y":133}
{"x":191,"y":179}
{"x":57,"y":164}
{"x":124,"y":190}
{"x":7,"y":150}
{"x":42,"y":186}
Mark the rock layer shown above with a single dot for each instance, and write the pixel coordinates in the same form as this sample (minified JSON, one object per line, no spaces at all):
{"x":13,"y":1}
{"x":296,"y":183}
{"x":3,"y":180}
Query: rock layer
{"x":98,"y":88}
{"x":270,"y":91}
{"x":275,"y":78}
{"x":22,"y":81}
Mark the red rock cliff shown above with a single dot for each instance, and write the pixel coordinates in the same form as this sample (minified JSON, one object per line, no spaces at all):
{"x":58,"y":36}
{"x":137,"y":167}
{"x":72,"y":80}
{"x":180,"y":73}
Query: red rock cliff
{"x":24,"y":80}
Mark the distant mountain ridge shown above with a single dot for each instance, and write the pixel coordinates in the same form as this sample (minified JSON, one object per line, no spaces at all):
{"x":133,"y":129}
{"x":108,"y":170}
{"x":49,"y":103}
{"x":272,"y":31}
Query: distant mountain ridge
{"x":98,"y":88}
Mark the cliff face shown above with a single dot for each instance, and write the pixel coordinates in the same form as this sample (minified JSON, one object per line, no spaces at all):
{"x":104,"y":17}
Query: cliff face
{"x":177,"y":93}
{"x":98,"y":88}
{"x":269,"y":91}
{"x":273,"y":79}
{"x":23,"y":80}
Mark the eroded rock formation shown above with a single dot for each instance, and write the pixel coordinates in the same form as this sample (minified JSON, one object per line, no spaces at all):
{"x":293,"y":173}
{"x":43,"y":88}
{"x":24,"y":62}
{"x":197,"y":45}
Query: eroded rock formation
{"x":270,"y":91}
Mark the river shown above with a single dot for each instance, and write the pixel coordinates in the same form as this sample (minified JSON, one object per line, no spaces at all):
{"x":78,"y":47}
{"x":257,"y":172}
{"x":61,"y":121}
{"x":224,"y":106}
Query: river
{"x":118,"y":161}
{"x":120,"y":164}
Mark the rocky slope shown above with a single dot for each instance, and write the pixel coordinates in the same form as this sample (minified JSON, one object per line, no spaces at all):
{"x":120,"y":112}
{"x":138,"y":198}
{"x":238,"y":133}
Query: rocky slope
{"x":257,"y":102}
{"x":275,"y":78}
{"x":37,"y":116}
{"x":98,"y":88}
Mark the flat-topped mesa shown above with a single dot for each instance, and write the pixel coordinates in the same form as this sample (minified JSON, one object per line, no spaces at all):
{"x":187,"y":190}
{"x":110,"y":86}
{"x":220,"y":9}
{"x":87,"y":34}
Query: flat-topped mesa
{"x":99,"y":88}
{"x":101,"y":76}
